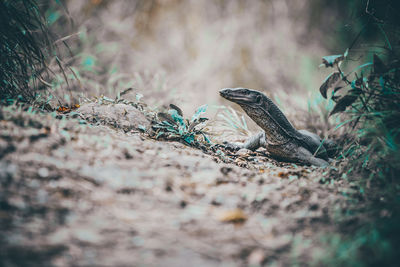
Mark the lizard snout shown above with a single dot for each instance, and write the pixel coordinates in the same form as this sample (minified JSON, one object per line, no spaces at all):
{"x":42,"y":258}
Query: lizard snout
{"x":236,"y":95}
{"x":225,"y":92}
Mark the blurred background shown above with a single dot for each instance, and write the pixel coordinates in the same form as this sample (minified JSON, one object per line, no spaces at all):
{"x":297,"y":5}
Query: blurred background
{"x":183,"y":52}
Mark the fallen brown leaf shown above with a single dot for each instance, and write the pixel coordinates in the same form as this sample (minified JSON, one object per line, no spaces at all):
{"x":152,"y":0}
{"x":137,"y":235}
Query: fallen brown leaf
{"x":66,"y":109}
{"x":283,"y":174}
{"x":233,"y":216}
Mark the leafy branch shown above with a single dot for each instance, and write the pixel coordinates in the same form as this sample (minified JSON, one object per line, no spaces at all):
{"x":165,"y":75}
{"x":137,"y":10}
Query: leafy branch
{"x":369,"y":94}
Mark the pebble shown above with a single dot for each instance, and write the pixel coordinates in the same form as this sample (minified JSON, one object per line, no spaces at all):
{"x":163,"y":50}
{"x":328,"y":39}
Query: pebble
{"x":43,"y":172}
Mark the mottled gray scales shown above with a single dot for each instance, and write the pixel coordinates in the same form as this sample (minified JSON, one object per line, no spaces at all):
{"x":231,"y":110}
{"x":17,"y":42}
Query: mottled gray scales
{"x":276,"y":136}
{"x":280,"y":138}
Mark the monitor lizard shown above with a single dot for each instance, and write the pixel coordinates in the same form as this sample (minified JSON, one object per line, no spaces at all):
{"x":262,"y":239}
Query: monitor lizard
{"x":279,"y":137}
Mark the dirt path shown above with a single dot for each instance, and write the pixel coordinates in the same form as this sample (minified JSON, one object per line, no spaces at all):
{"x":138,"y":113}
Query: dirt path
{"x":82,"y":195}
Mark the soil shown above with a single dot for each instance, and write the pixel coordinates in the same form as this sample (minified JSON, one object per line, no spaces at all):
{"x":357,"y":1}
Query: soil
{"x":83,"y":192}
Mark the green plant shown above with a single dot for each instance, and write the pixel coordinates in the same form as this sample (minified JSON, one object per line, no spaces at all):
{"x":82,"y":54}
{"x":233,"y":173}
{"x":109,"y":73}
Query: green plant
{"x":368,"y":98}
{"x":172,"y":126}
{"x":371,"y":101}
{"x":373,"y":244}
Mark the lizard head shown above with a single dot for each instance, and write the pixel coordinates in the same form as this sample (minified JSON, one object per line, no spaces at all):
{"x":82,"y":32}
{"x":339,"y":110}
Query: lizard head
{"x":243,"y":96}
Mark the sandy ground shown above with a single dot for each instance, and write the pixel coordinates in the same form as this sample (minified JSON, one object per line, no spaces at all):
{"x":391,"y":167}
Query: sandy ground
{"x":76,"y":193}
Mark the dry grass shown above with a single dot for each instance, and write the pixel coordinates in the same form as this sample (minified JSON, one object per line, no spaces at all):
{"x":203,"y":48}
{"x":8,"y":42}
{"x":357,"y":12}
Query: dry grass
{"x":24,"y":48}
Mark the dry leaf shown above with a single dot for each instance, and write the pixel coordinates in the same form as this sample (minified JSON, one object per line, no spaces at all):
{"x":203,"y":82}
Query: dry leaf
{"x":45,"y":130}
{"x":233,"y":216}
{"x":330,"y":82}
{"x":172,"y":106}
{"x":63,"y":109}
{"x":66,"y":109}
{"x":330,"y":61}
{"x":165,"y":117}
{"x":283,"y":174}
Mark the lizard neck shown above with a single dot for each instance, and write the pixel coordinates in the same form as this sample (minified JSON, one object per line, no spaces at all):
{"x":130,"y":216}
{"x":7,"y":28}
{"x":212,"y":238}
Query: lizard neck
{"x":269,"y":117}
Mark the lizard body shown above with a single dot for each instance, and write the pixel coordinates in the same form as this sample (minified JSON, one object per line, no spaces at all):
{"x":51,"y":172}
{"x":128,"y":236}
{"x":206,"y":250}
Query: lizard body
{"x":279,"y":136}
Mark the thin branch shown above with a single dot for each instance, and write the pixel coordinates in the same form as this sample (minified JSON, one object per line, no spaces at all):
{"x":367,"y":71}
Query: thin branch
{"x":372,"y":14}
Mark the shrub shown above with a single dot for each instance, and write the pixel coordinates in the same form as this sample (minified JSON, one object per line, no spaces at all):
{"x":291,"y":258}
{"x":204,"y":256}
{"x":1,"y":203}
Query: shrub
{"x":370,"y":98}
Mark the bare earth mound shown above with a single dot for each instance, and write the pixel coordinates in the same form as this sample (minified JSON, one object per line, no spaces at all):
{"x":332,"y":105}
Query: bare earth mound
{"x":77,"y":194}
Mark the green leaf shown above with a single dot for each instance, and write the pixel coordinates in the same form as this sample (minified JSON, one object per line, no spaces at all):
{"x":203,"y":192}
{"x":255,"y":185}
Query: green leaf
{"x":88,"y":62}
{"x":319,"y":147}
{"x":390,"y":142}
{"x":329,"y":61}
{"x":198,"y":112}
{"x":165,"y":118}
{"x":206,"y":138}
{"x":385,"y":36}
{"x":343,"y":103}
{"x":142,"y":127}
{"x":346,"y":53}
{"x":172,"y":130}
{"x":159,"y":134}
{"x":108,"y":99}
{"x":138,"y":96}
{"x":175,"y":115}
{"x":382,"y":84}
{"x":167,"y":123}
{"x":172,"y":106}
{"x":179,"y":119}
{"x":362,"y":66}
{"x":52,"y":16}
{"x":189,"y":138}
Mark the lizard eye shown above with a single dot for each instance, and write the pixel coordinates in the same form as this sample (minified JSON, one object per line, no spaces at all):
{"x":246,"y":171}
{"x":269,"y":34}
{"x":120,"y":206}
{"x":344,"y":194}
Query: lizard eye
{"x":258,"y":99}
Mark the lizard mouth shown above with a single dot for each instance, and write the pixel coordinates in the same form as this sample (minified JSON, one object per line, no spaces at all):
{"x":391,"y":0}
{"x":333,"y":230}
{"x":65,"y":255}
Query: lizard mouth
{"x":234,"y":96}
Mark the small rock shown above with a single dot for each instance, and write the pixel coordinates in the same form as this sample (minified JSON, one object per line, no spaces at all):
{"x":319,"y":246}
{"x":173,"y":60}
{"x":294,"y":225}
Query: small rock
{"x":43,"y":172}
{"x":42,"y":196}
{"x":225,"y":170}
{"x":243,"y":152}
{"x":256,"y":257}
{"x":87,"y":235}
{"x":5,"y":147}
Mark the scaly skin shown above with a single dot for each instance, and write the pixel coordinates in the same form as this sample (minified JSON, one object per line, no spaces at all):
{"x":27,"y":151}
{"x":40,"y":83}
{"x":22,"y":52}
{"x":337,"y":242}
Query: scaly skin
{"x":280,"y":138}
